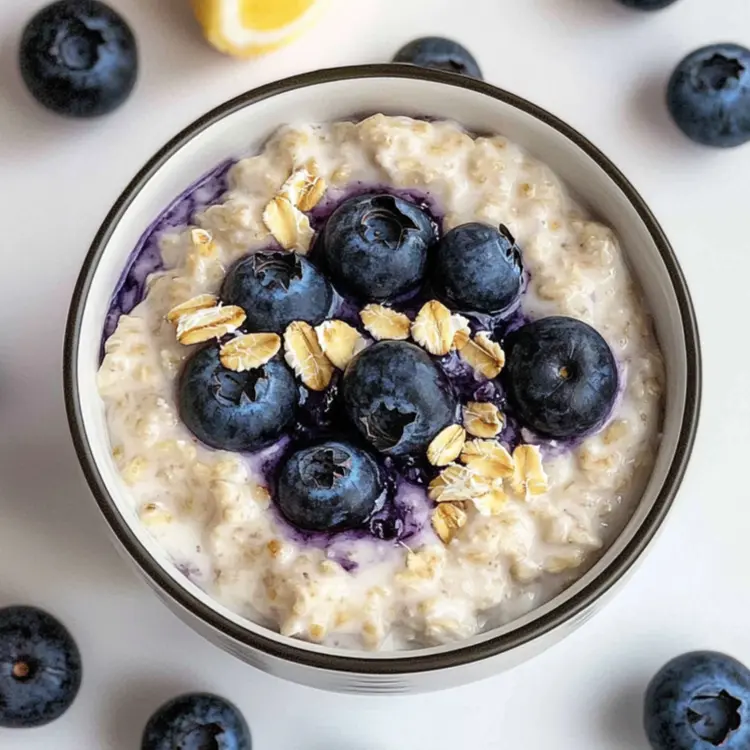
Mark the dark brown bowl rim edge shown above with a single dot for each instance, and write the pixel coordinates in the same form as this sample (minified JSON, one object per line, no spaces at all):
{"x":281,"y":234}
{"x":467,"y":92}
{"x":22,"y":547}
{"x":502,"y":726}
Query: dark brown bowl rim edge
{"x":413,"y":663}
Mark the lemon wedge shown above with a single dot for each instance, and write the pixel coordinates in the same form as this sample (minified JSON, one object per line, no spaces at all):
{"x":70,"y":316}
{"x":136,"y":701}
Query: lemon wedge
{"x":244,"y":28}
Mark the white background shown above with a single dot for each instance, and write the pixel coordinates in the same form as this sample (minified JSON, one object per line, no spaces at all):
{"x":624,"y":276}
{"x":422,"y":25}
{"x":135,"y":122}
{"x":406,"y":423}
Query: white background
{"x":601,"y":68}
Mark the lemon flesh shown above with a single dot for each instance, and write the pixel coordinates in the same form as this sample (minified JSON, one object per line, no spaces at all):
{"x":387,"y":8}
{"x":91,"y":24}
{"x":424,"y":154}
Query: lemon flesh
{"x":244,"y":28}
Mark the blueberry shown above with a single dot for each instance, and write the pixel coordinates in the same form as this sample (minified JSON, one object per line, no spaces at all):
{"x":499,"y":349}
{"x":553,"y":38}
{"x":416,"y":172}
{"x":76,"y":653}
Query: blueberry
{"x":478,"y":268}
{"x":197,"y":721}
{"x":236,"y":411}
{"x":440,"y":53}
{"x":647,"y":4}
{"x":79,"y":58}
{"x":332,"y":486}
{"x":375,"y":246}
{"x":276,"y":288}
{"x":397,"y":397}
{"x":709,"y":95}
{"x":560,"y":376}
{"x":699,"y":701}
{"x":40,"y":668}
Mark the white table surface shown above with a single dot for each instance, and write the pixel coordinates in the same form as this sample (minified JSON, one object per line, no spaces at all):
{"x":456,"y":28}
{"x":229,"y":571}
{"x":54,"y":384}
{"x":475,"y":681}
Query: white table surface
{"x":599,"y":67}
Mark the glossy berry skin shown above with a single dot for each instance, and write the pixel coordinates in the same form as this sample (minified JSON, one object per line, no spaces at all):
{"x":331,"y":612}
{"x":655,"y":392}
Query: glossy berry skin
{"x":40,"y":668}
{"x":236,"y":411}
{"x":275,"y":288}
{"x":647,"y":4}
{"x":79,"y":58}
{"x":375,"y":246}
{"x":560,"y":376}
{"x":699,"y":701}
{"x":478,"y":268}
{"x":708,"y":95}
{"x":397,"y":397}
{"x":332,"y":486}
{"x":438,"y":52}
{"x":197,"y":721}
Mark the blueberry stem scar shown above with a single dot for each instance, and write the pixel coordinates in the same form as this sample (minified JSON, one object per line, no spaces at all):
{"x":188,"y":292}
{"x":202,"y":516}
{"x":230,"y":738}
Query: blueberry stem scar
{"x":21,"y":670}
{"x":714,"y":717}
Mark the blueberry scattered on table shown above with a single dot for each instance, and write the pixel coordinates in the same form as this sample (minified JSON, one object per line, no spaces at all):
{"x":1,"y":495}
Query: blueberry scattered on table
{"x":397,"y":397}
{"x":438,"y":52}
{"x":699,"y":701}
{"x":478,"y":267}
{"x":40,"y":668}
{"x":375,"y":246}
{"x":276,"y":288}
{"x":79,"y":58}
{"x":647,"y":4}
{"x":560,"y":376}
{"x":709,"y":95}
{"x":197,"y":721}
{"x":238,"y":411}
{"x":332,"y":486}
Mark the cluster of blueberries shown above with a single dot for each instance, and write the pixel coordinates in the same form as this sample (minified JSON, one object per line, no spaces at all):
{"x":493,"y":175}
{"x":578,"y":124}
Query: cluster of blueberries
{"x":393,"y":398}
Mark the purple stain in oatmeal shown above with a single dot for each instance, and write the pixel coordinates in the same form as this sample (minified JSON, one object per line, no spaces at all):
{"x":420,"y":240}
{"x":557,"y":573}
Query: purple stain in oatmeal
{"x":146,"y":257}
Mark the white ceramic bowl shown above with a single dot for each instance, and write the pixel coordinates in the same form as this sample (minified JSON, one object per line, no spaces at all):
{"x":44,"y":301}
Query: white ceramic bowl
{"x":239,"y":127}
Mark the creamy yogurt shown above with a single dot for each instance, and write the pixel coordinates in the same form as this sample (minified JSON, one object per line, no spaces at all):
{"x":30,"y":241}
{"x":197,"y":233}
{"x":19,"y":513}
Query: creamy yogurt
{"x":212,"y":511}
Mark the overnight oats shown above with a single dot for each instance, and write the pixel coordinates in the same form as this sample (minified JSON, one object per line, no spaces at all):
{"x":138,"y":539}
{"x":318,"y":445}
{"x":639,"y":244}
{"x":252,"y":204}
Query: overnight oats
{"x":382,"y":385}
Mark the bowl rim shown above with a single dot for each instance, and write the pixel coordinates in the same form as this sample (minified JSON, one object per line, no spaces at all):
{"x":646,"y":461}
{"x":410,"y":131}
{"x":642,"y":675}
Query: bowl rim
{"x":414,"y":662}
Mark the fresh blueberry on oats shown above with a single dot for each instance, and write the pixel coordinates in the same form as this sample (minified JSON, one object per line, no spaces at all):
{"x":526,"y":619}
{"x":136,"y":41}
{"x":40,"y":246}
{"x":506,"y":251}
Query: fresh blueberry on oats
{"x":332,"y":486}
{"x":79,"y":58}
{"x":397,"y":397}
{"x":275,"y":288}
{"x":647,"y":4}
{"x":438,"y":52}
{"x":709,"y":95}
{"x":478,"y":268}
{"x":699,"y":701}
{"x":236,"y":411}
{"x":197,"y":721}
{"x":40,"y":668}
{"x":375,"y":246}
{"x":560,"y":376}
